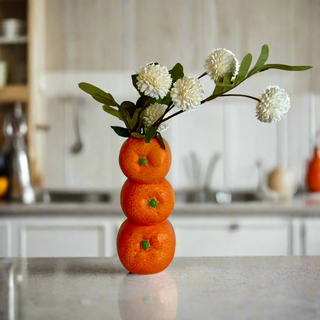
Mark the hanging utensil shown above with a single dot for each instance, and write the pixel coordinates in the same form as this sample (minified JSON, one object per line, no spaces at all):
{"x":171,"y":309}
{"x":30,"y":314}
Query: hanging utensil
{"x":78,"y":144}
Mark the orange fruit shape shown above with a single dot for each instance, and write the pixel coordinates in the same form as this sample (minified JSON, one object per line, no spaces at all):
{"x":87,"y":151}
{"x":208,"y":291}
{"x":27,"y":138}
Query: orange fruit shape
{"x":148,"y":297}
{"x":145,"y":162}
{"x":147,"y":204}
{"x":146,"y":249}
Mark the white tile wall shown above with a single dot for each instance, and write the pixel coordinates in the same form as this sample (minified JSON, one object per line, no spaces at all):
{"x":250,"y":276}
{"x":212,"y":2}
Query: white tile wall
{"x":106,"y":51}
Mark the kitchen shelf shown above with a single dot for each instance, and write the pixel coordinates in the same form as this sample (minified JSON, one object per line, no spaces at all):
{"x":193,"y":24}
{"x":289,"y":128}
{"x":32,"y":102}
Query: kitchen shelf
{"x":17,"y":40}
{"x":14,"y":93}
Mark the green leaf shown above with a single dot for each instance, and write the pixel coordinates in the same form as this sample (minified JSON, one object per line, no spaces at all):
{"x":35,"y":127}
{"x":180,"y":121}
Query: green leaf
{"x":150,"y":101}
{"x":98,"y":94}
{"x":129,"y":106}
{"x":227,"y":80}
{"x":105,"y":98}
{"x":161,"y":141}
{"x":140,"y":102}
{"x":218,"y":89}
{"x":122,"y":132}
{"x":151,"y":133}
{"x":124,"y":113}
{"x":134,"y":82}
{"x":166,"y":100}
{"x":111,"y":111}
{"x":176,"y":72}
{"x":264,"y":55}
{"x":137,"y":135}
{"x":132,"y":121}
{"x":125,"y":117}
{"x":89,"y":88}
{"x":282,"y":67}
{"x":244,"y":68}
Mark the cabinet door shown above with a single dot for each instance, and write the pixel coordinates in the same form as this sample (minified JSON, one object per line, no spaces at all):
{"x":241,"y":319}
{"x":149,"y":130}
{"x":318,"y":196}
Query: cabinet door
{"x":4,"y":240}
{"x":232,"y":237}
{"x":63,"y":239}
{"x":310,"y":237}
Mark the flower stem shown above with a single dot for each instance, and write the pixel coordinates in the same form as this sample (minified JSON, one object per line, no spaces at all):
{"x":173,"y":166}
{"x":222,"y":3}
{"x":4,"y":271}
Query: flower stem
{"x":173,"y":115}
{"x":204,"y":74}
{"x":239,"y":95}
{"x":139,"y":114}
{"x":157,"y":122}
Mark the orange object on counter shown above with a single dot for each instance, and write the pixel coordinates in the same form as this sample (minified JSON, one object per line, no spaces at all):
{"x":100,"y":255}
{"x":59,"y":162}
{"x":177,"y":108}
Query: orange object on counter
{"x":313,"y":172}
{"x":145,"y":162}
{"x":146,"y":249}
{"x":4,"y":184}
{"x":146,"y":241}
{"x":147,"y":204}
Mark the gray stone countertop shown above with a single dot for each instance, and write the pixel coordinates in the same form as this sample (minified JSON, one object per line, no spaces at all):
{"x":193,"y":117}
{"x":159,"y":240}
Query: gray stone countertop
{"x":303,"y":206}
{"x":190,"y":288}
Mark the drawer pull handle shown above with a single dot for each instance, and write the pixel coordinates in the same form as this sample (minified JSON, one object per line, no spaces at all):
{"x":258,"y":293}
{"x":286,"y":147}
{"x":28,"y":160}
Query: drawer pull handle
{"x":234,"y":227}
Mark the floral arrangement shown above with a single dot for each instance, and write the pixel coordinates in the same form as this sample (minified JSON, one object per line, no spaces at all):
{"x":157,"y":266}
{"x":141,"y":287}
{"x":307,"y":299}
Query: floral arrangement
{"x":161,"y":90}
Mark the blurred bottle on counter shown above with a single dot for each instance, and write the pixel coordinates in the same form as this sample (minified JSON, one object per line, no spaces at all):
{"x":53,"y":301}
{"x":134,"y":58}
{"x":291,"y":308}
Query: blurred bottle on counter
{"x":4,"y":183}
{"x":313,"y":172}
{"x":3,"y":74}
{"x":313,"y":167}
{"x":16,"y":160}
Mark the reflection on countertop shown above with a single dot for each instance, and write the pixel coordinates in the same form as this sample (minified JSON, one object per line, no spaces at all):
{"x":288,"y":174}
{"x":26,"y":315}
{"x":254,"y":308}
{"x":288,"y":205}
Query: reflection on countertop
{"x":190,"y":288}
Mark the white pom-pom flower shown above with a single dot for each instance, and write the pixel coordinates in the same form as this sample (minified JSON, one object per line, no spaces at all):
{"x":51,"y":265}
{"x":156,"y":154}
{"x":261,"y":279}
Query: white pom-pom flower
{"x":187,"y":93}
{"x":274,"y":105}
{"x":154,"y":80}
{"x":153,"y":113}
{"x":219,"y":63}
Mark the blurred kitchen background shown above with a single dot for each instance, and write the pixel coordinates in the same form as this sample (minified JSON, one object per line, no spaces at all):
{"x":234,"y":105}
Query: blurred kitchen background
{"x":48,"y":47}
{"x":103,"y":42}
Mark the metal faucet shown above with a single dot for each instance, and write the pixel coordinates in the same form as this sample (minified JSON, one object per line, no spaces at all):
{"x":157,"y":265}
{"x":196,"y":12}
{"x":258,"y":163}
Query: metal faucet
{"x":201,"y":182}
{"x":15,"y":129}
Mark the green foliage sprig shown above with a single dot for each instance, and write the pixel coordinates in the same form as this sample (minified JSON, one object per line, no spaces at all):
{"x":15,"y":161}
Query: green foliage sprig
{"x":132,"y":113}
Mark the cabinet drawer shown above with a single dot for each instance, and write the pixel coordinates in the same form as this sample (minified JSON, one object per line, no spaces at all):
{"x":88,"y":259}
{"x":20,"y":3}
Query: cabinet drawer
{"x":231,"y":239}
{"x":312,"y":237}
{"x":62,"y":241}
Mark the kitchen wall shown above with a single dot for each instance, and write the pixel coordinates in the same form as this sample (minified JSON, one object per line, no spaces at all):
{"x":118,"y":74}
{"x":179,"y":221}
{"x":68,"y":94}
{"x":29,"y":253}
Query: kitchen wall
{"x":105,"y":41}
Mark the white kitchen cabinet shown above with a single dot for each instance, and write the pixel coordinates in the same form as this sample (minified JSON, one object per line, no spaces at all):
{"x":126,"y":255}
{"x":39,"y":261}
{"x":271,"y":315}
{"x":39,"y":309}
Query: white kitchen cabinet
{"x":310,"y":236}
{"x":63,"y":241}
{"x":63,"y":237}
{"x":87,"y":235}
{"x":232,"y":237}
{"x":4,"y":239}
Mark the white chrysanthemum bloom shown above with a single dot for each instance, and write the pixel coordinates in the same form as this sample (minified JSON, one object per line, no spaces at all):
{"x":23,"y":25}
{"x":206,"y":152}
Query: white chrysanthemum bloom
{"x":154,"y":80}
{"x":219,"y":63}
{"x":275,"y":103}
{"x":153,"y":113}
{"x":187,"y":93}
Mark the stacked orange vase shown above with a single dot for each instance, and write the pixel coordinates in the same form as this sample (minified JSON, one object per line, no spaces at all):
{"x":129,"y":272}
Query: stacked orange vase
{"x":146,"y":241}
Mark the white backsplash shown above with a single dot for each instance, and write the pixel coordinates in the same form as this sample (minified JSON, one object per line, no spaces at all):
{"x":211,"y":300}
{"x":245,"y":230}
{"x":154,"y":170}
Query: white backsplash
{"x":88,"y":46}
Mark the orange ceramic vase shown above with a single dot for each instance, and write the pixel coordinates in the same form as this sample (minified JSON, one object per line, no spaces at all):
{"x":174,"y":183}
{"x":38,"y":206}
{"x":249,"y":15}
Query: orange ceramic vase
{"x":146,"y":241}
{"x":313,"y":172}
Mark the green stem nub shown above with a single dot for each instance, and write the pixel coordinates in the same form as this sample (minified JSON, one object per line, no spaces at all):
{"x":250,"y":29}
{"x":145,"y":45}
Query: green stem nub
{"x":145,"y":244}
{"x":152,"y":203}
{"x":142,"y":161}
